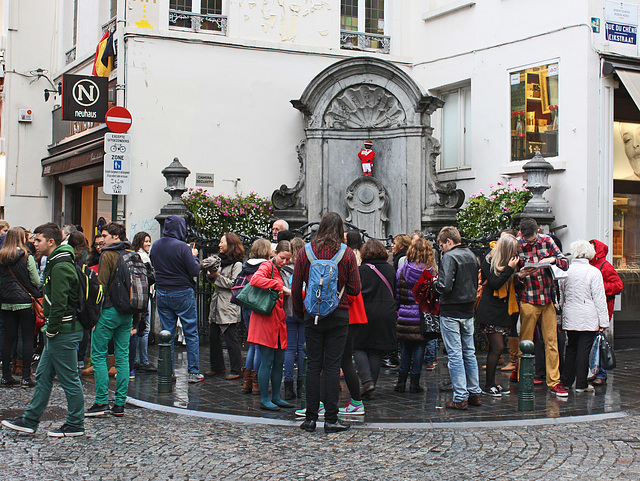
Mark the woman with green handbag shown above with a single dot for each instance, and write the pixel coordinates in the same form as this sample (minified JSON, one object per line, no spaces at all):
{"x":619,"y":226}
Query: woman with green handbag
{"x":269,"y":331}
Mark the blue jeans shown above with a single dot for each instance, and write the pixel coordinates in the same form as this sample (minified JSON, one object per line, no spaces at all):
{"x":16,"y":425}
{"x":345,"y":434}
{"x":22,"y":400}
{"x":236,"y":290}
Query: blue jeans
{"x":431,"y":352}
{"x":411,"y":356}
{"x":182,"y":304}
{"x":140,"y":344}
{"x":457,"y":335}
{"x":295,"y":341}
{"x":253,"y":353}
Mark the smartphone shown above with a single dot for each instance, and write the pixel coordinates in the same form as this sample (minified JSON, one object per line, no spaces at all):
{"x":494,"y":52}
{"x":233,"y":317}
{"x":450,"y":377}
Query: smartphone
{"x":192,"y":244}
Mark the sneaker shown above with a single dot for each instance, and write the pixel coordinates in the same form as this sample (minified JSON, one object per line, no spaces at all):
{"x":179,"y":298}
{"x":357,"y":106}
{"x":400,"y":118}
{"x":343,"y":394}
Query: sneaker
{"x":65,"y":431}
{"x":303,"y":412}
{"x":195,"y":377}
{"x":18,"y":425}
{"x":352,"y":409}
{"x":431,"y":367}
{"x":559,"y":390}
{"x":503,"y":390}
{"x":80,"y":365}
{"x":132,"y":375}
{"x":147,"y":368}
{"x":117,"y":410}
{"x":27,"y":383}
{"x":514,"y":375}
{"x":97,"y":410}
{"x":492,"y":391}
{"x":9,"y":382}
{"x":586,"y":389}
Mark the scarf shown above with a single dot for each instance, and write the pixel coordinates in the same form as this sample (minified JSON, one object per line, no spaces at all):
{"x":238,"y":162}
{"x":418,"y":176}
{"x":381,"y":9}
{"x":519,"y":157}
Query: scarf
{"x":508,"y":290}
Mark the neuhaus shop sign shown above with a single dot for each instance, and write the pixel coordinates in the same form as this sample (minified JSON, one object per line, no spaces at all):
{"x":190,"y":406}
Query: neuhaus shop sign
{"x":84,"y":98}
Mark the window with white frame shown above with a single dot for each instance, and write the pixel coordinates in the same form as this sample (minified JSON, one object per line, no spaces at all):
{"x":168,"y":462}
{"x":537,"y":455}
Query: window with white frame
{"x":455,"y":151}
{"x":197,"y":15}
{"x":362,"y":25}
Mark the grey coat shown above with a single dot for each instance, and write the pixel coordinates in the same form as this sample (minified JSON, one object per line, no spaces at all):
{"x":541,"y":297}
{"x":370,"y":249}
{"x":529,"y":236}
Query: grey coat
{"x":222,"y":310}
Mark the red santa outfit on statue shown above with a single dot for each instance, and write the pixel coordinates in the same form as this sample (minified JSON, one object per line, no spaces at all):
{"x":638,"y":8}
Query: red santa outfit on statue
{"x":366,"y":158}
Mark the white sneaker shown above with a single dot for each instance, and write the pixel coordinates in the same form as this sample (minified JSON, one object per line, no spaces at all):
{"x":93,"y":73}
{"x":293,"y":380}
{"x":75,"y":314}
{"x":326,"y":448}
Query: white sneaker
{"x":586,"y":389}
{"x":503,"y":390}
{"x":195,"y":377}
{"x":303,"y":412}
{"x":352,"y":409}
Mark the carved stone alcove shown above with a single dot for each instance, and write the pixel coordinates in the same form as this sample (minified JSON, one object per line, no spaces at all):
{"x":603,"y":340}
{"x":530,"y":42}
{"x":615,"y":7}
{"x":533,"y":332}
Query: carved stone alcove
{"x":368,"y":205}
{"x":365,"y":98}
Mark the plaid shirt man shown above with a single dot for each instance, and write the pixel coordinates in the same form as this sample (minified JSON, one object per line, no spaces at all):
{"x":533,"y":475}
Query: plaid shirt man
{"x":538,"y":287}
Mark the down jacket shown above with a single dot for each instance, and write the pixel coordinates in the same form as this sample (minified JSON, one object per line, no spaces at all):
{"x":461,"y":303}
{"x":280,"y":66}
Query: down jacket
{"x":408,"y":323}
{"x":271,"y":330}
{"x":584,"y":305}
{"x":612,"y":282}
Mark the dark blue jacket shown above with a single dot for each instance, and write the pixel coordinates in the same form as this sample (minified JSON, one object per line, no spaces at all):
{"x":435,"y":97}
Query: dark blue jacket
{"x":171,"y":257}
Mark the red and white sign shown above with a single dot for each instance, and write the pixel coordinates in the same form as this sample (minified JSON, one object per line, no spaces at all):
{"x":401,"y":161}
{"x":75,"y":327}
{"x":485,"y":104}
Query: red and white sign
{"x":118,"y":120}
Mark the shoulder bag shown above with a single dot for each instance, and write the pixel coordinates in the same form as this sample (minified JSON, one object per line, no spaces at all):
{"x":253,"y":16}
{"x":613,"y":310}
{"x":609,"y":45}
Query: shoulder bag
{"x":36,"y":303}
{"x":258,"y":300}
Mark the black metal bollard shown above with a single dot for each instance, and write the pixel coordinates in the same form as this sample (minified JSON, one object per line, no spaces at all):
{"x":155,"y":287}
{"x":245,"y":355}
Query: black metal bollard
{"x":165,"y":364}
{"x":303,"y":390}
{"x":525,"y":385}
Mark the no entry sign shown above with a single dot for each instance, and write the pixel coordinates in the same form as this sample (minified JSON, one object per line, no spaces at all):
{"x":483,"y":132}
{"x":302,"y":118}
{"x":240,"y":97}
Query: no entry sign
{"x":118,"y":120}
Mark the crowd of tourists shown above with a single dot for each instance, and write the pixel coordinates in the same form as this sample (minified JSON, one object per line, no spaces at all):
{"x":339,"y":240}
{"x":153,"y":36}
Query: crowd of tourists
{"x":351,"y":303}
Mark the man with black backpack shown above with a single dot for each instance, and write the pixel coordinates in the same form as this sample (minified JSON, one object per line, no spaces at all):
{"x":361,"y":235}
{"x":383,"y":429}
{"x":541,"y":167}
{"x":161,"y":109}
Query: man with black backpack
{"x":123,"y":277}
{"x":62,"y":335}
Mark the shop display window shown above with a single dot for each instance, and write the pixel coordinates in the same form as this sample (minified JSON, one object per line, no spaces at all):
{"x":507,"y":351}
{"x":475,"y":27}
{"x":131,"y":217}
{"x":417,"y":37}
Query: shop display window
{"x":534,"y":112}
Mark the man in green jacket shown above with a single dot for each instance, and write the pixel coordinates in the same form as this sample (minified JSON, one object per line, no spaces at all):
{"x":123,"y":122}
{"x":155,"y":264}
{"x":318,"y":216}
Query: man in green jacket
{"x":62,"y":335}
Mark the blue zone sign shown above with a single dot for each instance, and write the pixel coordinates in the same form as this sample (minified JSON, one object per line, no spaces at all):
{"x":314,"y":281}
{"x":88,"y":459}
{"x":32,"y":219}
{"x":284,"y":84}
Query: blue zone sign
{"x":621,"y":33}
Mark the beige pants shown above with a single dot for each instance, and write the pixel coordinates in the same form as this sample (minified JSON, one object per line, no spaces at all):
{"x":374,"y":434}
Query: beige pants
{"x":529,"y":316}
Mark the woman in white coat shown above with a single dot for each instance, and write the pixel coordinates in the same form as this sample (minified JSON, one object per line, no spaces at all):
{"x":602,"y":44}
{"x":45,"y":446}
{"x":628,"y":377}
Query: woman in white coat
{"x":584,"y":313}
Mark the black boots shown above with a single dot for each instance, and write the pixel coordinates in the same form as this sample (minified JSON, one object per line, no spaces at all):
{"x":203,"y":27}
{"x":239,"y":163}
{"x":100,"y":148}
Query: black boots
{"x":402,"y":381}
{"x":299,"y":386}
{"x":288,"y":390}
{"x":414,"y":386}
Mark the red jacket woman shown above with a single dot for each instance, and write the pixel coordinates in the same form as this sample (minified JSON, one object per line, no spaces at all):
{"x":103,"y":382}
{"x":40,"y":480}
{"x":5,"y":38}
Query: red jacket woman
{"x":271,"y":330}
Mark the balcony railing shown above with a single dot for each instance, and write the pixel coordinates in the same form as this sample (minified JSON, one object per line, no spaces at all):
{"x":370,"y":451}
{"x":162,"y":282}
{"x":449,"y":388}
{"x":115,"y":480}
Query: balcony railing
{"x":70,"y":56}
{"x":198,"y":21}
{"x":364,"y":41}
{"x":110,"y":25}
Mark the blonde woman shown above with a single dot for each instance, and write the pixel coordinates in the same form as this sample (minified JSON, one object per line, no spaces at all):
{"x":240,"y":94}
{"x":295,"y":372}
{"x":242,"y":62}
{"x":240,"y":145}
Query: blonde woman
{"x":497,"y":304}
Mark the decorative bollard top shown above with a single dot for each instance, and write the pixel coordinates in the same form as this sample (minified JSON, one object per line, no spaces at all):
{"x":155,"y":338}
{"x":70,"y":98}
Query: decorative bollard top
{"x":164,"y":337}
{"x":527,"y":347}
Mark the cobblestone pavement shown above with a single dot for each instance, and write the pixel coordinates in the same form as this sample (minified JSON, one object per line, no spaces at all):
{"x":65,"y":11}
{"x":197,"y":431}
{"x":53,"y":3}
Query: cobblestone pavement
{"x":151,"y":445}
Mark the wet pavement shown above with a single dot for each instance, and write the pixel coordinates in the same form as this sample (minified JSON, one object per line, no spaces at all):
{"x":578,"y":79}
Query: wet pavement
{"x":217,"y":395}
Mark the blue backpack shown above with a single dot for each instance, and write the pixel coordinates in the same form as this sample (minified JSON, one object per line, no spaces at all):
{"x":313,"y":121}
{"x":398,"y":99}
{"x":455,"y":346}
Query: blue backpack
{"x":322,"y":296}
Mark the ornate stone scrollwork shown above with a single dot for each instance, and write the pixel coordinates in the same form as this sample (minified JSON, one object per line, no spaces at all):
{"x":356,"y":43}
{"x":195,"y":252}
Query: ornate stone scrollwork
{"x":285,"y":197}
{"x":364,"y":107}
{"x":448,"y":195}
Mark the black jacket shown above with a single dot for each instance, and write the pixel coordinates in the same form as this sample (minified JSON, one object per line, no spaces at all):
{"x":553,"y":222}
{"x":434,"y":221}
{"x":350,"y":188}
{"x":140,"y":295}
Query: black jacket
{"x":457,"y":283}
{"x":10,"y":290}
{"x":492,"y":310}
{"x":380,"y":305}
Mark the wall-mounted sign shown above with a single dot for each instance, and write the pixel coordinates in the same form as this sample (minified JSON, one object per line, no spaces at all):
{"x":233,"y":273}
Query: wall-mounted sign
{"x":84,"y":97}
{"x":117,"y":174}
{"x":204,"y":180}
{"x":621,"y":12}
{"x":621,"y":33}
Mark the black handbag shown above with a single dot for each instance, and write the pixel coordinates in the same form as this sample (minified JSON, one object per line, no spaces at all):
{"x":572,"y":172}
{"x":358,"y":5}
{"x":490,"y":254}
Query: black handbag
{"x":607,"y":356}
{"x":258,"y":300}
{"x":429,"y":325}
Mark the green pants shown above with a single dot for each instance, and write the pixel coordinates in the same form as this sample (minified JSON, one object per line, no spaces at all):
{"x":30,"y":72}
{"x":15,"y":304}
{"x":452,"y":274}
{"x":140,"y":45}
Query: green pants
{"x":116,"y":326}
{"x":59,"y":358}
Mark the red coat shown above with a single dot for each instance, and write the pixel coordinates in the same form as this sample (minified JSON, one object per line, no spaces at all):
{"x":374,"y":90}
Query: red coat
{"x":612,"y":282}
{"x":269,"y":331}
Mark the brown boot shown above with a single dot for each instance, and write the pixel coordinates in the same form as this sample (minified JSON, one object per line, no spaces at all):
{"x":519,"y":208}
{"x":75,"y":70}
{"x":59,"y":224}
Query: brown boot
{"x":17,"y":366}
{"x":514,"y":351}
{"x":247,"y":380}
{"x":112,"y":365}
{"x":255,"y":389}
{"x":88,"y":371}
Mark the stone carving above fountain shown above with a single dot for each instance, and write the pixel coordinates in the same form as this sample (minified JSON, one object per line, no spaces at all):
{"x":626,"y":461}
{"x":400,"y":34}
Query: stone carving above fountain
{"x":368,"y":206}
{"x":364,"y":107}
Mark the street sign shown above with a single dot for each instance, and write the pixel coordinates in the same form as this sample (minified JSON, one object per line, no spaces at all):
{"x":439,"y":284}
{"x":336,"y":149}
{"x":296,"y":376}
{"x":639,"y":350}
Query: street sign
{"x":118,"y":119}
{"x":84,"y":98}
{"x":117,"y":143}
{"x":117,"y":174}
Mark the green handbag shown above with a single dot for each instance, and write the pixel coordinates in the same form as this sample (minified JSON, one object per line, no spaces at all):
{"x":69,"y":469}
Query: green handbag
{"x":258,"y":300}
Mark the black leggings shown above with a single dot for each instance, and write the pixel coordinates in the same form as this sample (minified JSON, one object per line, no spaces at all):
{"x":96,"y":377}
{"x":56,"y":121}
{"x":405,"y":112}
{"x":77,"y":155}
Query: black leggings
{"x":25,"y":321}
{"x":348,"y":368}
{"x":496,"y":346}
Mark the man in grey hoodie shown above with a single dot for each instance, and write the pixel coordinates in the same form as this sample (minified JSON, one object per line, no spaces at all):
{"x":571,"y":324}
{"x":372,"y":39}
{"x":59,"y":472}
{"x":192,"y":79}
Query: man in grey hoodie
{"x":176,"y":264}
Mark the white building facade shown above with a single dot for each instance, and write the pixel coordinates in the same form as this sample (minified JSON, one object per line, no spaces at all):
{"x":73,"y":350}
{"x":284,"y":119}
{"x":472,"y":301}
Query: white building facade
{"x":211,"y":82}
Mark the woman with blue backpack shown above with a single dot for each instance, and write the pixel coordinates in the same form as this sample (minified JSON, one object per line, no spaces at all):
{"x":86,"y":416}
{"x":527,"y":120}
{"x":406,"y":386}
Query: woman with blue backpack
{"x":327,"y":263}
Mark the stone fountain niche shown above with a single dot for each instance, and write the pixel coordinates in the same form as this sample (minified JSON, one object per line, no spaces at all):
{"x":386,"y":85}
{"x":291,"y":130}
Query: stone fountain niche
{"x":360,"y":99}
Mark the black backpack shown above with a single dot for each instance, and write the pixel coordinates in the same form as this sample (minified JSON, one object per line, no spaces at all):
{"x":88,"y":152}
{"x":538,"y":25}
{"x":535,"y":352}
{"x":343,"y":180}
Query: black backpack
{"x":130,"y":290}
{"x":90,"y":294}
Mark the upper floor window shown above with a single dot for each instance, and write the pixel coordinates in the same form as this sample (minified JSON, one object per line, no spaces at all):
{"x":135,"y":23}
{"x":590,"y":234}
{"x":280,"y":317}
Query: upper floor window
{"x":113,"y":8}
{"x":456,"y":129}
{"x":534,"y":112}
{"x":362,"y":25}
{"x":197,"y":15}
